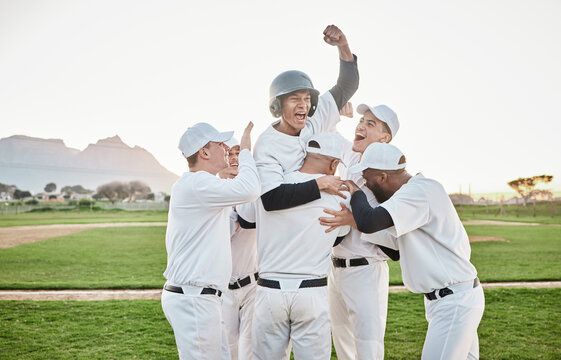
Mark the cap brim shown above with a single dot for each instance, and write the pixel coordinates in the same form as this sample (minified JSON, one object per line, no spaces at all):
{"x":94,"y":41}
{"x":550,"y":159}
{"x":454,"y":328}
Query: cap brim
{"x":363,"y":108}
{"x":223,"y":136}
{"x":357,"y":168}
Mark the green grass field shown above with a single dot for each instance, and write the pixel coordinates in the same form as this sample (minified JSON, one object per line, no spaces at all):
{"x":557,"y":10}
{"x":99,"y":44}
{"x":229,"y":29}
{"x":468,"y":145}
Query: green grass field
{"x":82,"y":217}
{"x":131,"y":257}
{"x":531,"y":253}
{"x":134,"y":257}
{"x":546,"y":212}
{"x":517,"y":324}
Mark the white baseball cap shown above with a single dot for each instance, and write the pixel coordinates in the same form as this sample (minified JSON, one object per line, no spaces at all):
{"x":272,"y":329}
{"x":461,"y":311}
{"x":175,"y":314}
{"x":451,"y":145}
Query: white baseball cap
{"x":232,"y":142}
{"x":383,"y":113}
{"x":330,"y":144}
{"x":198,"y":135}
{"x":380,"y":156}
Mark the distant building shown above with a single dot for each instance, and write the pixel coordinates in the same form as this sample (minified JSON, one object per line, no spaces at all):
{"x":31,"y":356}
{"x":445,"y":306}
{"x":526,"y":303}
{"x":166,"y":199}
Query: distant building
{"x":484,"y":201}
{"x":78,"y":196}
{"x":461,"y":199}
{"x":49,"y":197}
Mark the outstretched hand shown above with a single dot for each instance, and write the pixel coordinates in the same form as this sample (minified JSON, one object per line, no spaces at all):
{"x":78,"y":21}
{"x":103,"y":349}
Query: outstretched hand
{"x":332,"y":185}
{"x":340,"y":218}
{"x":245,"y":142}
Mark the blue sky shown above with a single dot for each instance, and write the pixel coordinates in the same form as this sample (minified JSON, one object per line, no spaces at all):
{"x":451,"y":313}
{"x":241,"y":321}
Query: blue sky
{"x":476,"y":84}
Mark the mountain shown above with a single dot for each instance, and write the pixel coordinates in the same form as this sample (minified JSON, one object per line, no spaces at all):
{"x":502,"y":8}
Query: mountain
{"x":30,"y":163}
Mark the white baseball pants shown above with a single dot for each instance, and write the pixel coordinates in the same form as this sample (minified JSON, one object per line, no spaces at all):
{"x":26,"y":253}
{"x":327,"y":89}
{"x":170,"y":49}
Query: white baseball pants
{"x":453,"y":322}
{"x":358,"y":303}
{"x":197,"y":324}
{"x":237,"y":310}
{"x":297,"y":315}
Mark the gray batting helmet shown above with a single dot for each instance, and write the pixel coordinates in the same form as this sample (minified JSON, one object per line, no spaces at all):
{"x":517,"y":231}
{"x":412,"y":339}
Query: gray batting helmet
{"x":287,"y":82}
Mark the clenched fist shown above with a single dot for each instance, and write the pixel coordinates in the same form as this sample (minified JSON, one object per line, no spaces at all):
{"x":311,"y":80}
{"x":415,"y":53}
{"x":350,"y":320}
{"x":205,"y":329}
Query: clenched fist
{"x":334,"y":36}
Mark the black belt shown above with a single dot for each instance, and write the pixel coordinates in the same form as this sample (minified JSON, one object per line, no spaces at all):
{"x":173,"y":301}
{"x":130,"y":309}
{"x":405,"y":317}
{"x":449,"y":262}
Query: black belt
{"x":242,"y":282}
{"x":337,"y":262}
{"x":446,"y":291}
{"x":274,"y":284}
{"x":205,"y":291}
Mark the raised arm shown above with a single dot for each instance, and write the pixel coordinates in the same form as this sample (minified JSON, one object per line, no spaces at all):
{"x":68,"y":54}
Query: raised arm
{"x":245,"y":187}
{"x":348,"y":80}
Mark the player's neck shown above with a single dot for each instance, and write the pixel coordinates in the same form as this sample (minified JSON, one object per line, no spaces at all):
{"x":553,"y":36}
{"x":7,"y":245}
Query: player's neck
{"x":310,"y":167}
{"x":401,"y":180}
{"x":283,"y":127}
{"x":204,"y":166}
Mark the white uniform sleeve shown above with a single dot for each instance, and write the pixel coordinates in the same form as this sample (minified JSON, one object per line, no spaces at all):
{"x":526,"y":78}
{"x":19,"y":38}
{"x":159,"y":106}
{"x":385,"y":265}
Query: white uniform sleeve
{"x":270,"y":171}
{"x":409,"y":209}
{"x":348,"y":158}
{"x":245,"y":187}
{"x":247,"y":211}
{"x":384,"y":238}
{"x":233,"y":222}
{"x":326,"y":116}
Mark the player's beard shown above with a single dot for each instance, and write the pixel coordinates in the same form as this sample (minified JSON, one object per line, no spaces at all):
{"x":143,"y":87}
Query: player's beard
{"x":379,"y":193}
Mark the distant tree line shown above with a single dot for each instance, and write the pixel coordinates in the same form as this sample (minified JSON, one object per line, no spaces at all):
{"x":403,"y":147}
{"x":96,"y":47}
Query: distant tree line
{"x":14,"y":192}
{"x":113,"y":191}
{"x":117,"y":190}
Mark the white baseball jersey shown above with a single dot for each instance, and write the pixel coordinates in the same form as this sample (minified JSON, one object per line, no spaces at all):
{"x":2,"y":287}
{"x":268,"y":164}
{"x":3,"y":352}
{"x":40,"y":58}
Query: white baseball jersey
{"x":244,"y":249}
{"x":302,"y":248}
{"x":433,"y":244}
{"x":198,"y":234}
{"x":352,"y":245}
{"x":277,"y":153}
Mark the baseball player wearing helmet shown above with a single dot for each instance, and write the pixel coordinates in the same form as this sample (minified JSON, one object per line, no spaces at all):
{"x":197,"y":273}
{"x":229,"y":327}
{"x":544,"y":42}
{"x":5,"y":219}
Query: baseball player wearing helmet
{"x":359,"y":279}
{"x":280,"y":149}
{"x":238,"y":299}
{"x":199,"y":259}
{"x":433,"y":245}
{"x":291,"y":304}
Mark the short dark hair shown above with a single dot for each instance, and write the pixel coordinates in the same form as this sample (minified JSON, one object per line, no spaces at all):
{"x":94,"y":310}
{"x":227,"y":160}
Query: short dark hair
{"x":314,"y":144}
{"x":192,"y":160}
{"x":387,"y":129}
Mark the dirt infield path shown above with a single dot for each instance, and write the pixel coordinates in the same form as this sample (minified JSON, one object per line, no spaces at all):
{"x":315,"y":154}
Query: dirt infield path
{"x":499,"y":223}
{"x":17,"y":235}
{"x":154,"y":294}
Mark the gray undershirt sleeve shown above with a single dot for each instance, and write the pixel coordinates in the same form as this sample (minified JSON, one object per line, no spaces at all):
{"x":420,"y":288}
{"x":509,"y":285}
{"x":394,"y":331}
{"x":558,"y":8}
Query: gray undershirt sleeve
{"x":347,"y":83}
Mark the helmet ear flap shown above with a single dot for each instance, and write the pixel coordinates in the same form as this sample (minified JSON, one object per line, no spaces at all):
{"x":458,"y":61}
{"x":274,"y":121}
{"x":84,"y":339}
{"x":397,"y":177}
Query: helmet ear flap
{"x":312,"y":110}
{"x":275,"y":108}
{"x":314,"y":103}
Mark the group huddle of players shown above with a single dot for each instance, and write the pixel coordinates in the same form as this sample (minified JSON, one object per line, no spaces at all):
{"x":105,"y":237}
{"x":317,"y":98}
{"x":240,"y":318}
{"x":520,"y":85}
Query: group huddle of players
{"x":252,"y":239}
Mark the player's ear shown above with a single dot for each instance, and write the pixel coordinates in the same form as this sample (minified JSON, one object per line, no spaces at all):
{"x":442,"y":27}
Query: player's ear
{"x":203,"y":153}
{"x":333,"y":165}
{"x":383,"y":177}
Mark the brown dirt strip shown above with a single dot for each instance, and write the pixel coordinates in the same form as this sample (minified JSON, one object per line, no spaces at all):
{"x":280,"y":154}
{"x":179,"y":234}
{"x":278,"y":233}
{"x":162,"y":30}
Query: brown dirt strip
{"x":154,"y":294}
{"x":17,"y":235}
{"x":486,"y":238}
{"x":498,"y":223}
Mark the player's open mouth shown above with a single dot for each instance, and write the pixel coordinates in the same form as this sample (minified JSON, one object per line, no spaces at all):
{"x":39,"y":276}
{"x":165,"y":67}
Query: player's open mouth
{"x":234,"y":165}
{"x":359,"y":137}
{"x":300,"y":116}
